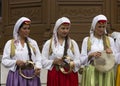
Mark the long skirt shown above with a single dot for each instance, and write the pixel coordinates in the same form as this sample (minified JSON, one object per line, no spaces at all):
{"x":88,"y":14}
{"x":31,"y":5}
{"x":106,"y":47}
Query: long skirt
{"x":118,"y":76}
{"x":15,"y":79}
{"x":92,"y":77}
{"x":57,"y":78}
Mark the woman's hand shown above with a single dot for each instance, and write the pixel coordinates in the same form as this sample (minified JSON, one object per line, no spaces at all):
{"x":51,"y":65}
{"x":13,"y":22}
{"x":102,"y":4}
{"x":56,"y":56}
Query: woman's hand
{"x":95,"y":54}
{"x":37,"y":72}
{"x":108,"y":51}
{"x":20,"y":63}
{"x":57,"y":61}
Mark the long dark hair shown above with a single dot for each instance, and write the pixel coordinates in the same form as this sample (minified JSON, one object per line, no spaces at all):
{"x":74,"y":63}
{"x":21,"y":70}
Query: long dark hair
{"x":29,"y":50}
{"x":66,"y":46}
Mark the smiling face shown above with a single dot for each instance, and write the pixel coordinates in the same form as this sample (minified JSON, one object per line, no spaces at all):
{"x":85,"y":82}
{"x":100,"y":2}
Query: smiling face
{"x":100,"y":29}
{"x":63,"y":30}
{"x":24,"y":31}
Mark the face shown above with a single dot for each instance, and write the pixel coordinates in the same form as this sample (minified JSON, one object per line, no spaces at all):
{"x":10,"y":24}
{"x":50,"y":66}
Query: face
{"x":24,"y":31}
{"x":63,"y":30}
{"x":100,"y":29}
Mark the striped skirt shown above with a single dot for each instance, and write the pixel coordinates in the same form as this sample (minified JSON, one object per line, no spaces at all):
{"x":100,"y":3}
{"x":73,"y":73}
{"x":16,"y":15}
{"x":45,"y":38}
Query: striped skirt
{"x":92,"y":77}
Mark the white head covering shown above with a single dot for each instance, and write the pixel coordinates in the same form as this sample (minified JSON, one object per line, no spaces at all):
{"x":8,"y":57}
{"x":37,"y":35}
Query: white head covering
{"x":94,"y":22}
{"x":115,"y":35}
{"x":57,"y":24}
{"x":17,"y":25}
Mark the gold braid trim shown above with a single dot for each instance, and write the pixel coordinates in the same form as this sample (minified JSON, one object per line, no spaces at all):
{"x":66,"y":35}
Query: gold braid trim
{"x":106,"y":43}
{"x":50,"y":47}
{"x":88,"y":44}
{"x":72,"y":47}
{"x":12,"y":52}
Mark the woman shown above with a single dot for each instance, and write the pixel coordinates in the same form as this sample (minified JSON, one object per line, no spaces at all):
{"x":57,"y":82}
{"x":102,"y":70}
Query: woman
{"x":115,"y":35}
{"x":17,"y":52}
{"x":117,"y":43}
{"x":54,"y":51}
{"x":91,"y":48}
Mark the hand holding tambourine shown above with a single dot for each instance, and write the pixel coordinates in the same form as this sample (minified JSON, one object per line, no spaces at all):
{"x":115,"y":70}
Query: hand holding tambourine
{"x":105,"y":62}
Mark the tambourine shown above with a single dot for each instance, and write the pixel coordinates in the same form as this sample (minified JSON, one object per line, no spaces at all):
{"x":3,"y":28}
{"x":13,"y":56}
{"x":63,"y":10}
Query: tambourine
{"x":70,"y":63}
{"x":105,"y":62}
{"x":24,"y":76}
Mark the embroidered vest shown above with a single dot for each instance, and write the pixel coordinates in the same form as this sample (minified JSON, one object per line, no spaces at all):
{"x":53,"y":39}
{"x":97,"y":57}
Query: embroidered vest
{"x":106,"y":43}
{"x":12,"y":51}
{"x":50,"y":47}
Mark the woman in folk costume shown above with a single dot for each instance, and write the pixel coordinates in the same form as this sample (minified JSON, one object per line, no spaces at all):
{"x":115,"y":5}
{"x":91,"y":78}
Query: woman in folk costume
{"x":117,"y":44}
{"x":17,"y":52}
{"x":115,"y":35}
{"x":55,"y":49}
{"x":92,"y":48}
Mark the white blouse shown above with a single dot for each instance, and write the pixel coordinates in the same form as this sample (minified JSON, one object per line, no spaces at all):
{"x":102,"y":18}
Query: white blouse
{"x":57,"y":52}
{"x":117,"y":44}
{"x":21,"y":53}
{"x":96,"y":45}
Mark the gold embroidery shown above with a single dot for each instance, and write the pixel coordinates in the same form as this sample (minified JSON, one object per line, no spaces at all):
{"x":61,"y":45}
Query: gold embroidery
{"x":12,"y":52}
{"x":106,"y":43}
{"x":50,"y":48}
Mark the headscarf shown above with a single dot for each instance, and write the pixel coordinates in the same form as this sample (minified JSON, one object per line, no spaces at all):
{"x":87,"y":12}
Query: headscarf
{"x":17,"y":26}
{"x":115,"y":35}
{"x":94,"y":22}
{"x":57,"y":24}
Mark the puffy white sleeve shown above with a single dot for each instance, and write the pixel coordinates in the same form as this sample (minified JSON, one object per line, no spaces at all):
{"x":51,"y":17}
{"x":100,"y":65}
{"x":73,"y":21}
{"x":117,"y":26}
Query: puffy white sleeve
{"x":8,"y":61}
{"x":38,"y":56}
{"x":84,"y":51}
{"x":46,"y":61}
{"x":76,"y":56}
{"x":117,"y":49}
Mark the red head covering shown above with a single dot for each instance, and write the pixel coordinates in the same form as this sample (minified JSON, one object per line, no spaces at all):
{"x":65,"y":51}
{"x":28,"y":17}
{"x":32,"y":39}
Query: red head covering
{"x":102,"y":21}
{"x":27,"y":22}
